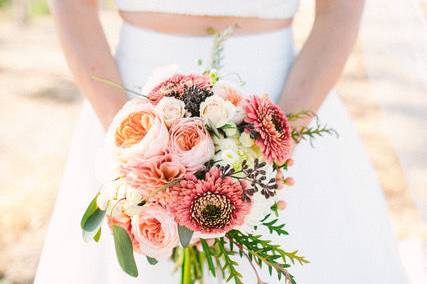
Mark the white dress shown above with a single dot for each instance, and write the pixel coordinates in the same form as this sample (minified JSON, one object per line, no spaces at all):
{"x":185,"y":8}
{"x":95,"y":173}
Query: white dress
{"x":336,"y":212}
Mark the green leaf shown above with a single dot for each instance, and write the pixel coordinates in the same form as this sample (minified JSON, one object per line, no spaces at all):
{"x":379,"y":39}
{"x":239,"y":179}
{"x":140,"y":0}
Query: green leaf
{"x":92,"y":236}
{"x":97,"y":236}
{"x":151,"y":260}
{"x":185,"y":235}
{"x":208,"y":254}
{"x":124,"y":251}
{"x":92,"y":217}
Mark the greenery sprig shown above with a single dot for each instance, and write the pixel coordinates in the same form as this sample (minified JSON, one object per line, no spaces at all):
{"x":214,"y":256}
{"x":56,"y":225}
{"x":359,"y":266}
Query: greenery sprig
{"x":273,"y":226}
{"x":218,"y":46}
{"x":230,"y":267}
{"x":310,"y":132}
{"x":265,"y":252}
{"x":301,"y":115}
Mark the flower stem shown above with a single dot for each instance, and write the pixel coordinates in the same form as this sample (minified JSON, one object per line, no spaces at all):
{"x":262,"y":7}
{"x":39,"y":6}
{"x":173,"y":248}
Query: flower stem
{"x":164,"y":187}
{"x":117,"y":85}
{"x":186,"y":267}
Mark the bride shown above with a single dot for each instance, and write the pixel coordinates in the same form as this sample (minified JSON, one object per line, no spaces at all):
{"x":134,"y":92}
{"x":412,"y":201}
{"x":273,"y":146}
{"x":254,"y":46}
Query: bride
{"x":336,"y":211}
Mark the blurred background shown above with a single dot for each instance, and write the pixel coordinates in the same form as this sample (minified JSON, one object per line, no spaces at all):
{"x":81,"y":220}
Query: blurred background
{"x":384,"y":88}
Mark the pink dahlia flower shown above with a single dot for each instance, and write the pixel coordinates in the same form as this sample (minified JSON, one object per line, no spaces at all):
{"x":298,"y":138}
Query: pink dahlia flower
{"x":176,"y":86}
{"x":270,"y":127}
{"x":210,"y":206}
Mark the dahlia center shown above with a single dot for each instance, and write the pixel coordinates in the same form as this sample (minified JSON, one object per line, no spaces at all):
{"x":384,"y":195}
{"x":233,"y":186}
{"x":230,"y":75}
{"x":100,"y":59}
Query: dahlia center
{"x":277,"y":123}
{"x":133,"y":129}
{"x":212,"y":210}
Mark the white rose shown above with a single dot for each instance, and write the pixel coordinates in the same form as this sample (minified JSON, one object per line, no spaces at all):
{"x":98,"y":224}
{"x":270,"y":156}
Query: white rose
{"x":217,"y":111}
{"x":231,"y":93}
{"x":170,"y":109}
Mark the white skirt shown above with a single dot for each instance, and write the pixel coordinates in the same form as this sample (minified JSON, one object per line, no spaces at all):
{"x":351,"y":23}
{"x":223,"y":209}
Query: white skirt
{"x":336,"y":213}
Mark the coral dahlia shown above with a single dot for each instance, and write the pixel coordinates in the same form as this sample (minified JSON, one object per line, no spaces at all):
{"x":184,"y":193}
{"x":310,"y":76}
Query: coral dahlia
{"x":210,"y":206}
{"x":188,"y":88}
{"x":269,"y":126}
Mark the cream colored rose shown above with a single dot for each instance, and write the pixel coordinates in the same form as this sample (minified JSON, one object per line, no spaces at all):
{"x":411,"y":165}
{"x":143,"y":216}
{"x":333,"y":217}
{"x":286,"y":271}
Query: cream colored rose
{"x":170,"y":109}
{"x":217,"y":111}
{"x":231,"y":93}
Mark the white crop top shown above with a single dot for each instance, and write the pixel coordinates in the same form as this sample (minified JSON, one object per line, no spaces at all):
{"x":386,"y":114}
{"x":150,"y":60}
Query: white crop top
{"x":270,"y":9}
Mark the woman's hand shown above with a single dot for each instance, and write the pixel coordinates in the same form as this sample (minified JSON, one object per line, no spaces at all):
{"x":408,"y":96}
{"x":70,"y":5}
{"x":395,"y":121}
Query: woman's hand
{"x":88,"y":54}
{"x":321,"y":61}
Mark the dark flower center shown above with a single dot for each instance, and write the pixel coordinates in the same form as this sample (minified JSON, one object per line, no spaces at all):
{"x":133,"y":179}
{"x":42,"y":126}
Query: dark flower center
{"x":192,"y":97}
{"x":212,"y":211}
{"x":277,"y":124}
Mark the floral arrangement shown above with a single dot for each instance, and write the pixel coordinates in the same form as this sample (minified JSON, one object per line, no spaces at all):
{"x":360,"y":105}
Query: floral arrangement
{"x":191,"y":169}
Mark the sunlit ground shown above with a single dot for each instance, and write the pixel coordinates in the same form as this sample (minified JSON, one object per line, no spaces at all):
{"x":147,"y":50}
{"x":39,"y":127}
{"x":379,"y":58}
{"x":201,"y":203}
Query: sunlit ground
{"x":38,"y":109}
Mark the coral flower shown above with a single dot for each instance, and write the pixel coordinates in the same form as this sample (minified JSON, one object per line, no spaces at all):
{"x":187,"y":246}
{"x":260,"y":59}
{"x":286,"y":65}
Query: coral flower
{"x":270,"y":128}
{"x":210,"y":206}
{"x":152,"y":173}
{"x":177,"y":86}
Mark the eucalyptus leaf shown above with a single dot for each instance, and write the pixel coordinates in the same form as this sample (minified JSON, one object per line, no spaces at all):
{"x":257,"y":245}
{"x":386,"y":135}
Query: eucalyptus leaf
{"x":92,"y":217}
{"x":151,"y":260}
{"x":185,"y":235}
{"x":124,"y":251}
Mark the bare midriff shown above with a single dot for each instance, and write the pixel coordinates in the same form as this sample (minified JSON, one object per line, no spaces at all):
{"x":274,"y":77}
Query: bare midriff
{"x":194,"y":25}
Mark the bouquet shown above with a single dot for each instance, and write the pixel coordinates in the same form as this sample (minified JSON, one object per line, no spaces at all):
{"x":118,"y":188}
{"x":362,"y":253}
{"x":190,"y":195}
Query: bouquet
{"x":192,"y":168}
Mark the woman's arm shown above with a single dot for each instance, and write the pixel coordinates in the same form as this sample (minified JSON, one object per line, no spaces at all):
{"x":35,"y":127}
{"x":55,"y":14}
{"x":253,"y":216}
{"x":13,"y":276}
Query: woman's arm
{"x":88,"y":54}
{"x":321,"y":61}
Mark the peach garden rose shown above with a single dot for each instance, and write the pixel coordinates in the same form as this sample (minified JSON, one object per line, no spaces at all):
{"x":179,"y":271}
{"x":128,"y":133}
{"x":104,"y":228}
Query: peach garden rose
{"x":155,"y":232}
{"x":137,"y":130}
{"x":190,"y":143}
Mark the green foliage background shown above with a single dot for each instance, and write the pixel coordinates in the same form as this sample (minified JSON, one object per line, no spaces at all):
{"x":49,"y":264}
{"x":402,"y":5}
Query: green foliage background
{"x":38,"y":7}
{"x":4,"y":3}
